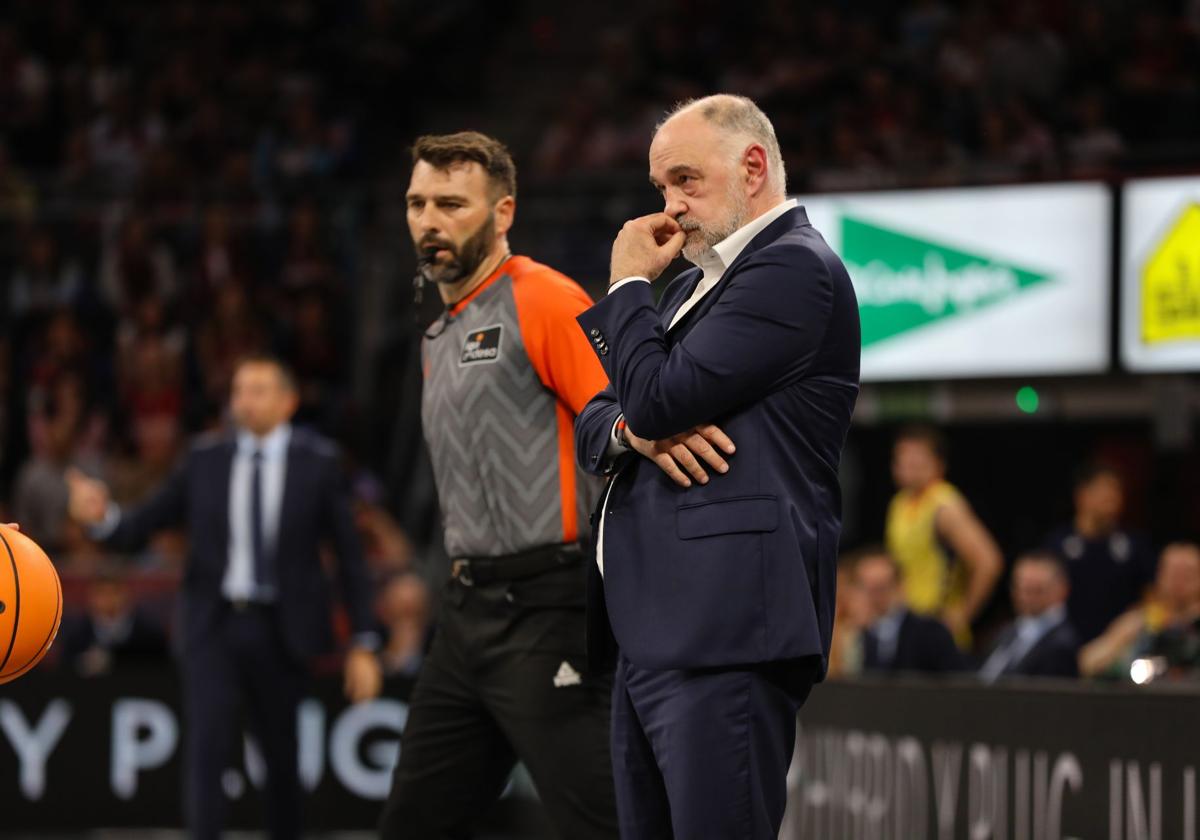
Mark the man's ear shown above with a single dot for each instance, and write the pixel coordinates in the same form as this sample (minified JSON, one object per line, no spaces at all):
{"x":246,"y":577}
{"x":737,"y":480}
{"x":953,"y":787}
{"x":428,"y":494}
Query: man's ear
{"x":754,"y":167}
{"x":504,"y":211}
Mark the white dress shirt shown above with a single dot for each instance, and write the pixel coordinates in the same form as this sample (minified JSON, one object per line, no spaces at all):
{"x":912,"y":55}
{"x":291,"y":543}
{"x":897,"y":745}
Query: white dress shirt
{"x":713,"y":264}
{"x":239,"y":582}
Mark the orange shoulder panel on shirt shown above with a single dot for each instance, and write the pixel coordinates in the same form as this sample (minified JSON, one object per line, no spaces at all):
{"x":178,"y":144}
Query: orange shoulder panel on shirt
{"x":547,"y":303}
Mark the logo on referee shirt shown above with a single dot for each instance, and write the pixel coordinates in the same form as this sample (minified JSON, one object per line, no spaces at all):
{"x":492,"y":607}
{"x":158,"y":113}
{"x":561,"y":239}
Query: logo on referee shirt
{"x":481,"y":346}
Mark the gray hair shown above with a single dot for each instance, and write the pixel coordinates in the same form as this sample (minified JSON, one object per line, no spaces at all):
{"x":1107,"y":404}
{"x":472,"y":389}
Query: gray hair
{"x":739,"y":118}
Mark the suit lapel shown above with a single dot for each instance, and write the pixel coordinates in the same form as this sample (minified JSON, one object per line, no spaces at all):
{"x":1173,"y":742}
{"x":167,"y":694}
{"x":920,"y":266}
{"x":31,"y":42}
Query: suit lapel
{"x":1037,"y":646}
{"x":222,"y":481}
{"x":684,"y":287}
{"x":291,"y":483}
{"x":796,"y":217}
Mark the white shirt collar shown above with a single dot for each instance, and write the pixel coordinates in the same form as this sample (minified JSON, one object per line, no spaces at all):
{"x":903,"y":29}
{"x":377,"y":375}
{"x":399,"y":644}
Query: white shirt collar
{"x":889,"y":624}
{"x":720,"y":256}
{"x":273,"y":445}
{"x":1043,"y":622}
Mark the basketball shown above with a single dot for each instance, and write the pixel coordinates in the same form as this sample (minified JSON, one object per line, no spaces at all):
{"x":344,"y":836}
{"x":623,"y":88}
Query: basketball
{"x":30,"y":604}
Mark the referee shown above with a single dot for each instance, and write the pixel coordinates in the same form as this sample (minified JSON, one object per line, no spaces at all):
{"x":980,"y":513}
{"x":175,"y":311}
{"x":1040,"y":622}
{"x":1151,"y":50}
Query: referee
{"x":506,"y":371}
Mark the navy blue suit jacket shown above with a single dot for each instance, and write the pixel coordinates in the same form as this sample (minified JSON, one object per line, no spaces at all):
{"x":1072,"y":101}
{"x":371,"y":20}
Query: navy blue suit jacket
{"x":740,"y":570}
{"x":923,"y":645}
{"x":1056,"y":654}
{"x":315,"y":508}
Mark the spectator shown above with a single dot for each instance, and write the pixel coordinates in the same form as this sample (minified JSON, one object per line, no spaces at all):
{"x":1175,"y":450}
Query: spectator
{"x":43,"y":281}
{"x":387,"y":549}
{"x":1041,"y":642}
{"x":403,"y":609}
{"x":114,"y":632}
{"x":134,"y":267}
{"x":1157,"y":627}
{"x":849,"y":621}
{"x":950,"y":561}
{"x":1094,"y":145}
{"x":896,"y":638}
{"x":231,"y":331}
{"x":1109,"y":567}
{"x":40,"y":495}
{"x":150,"y":362}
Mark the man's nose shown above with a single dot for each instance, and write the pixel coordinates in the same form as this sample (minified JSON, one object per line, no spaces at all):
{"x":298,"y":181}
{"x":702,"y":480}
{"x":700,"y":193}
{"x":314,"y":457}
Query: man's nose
{"x":427,"y":220}
{"x":675,"y":206}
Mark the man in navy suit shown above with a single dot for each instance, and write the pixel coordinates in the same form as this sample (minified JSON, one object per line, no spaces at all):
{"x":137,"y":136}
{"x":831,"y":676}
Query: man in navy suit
{"x":898,"y":640}
{"x":719,"y":589}
{"x":1041,"y":642}
{"x":255,"y":598}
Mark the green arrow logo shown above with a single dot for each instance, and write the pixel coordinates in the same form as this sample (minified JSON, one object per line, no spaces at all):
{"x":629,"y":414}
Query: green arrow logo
{"x":904,"y":283}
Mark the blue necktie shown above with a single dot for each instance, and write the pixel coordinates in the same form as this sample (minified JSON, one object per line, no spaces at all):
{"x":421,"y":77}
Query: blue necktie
{"x":261,"y":576}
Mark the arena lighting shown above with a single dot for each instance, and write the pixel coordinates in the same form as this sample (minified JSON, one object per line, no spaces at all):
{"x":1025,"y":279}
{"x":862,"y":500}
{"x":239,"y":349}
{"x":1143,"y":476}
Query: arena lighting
{"x":1146,"y":669}
{"x":1027,"y":399}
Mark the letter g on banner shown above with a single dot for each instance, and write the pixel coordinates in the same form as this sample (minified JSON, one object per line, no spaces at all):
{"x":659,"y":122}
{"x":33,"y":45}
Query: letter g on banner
{"x":367,"y":775}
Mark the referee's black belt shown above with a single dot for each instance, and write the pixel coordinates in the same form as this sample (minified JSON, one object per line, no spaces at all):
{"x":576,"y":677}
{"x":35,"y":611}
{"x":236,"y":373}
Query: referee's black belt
{"x":477,"y":571}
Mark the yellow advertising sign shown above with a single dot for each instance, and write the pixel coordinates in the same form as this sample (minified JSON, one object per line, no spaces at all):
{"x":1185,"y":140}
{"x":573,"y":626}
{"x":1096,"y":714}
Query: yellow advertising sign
{"x":1171,"y":283}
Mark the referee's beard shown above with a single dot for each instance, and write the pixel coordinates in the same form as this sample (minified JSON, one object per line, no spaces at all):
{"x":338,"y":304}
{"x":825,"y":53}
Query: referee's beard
{"x":464,"y":259}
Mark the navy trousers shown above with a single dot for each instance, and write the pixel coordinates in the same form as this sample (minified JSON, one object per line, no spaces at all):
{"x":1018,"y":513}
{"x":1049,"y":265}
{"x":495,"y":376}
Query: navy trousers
{"x":242,"y":667}
{"x":704,"y":754}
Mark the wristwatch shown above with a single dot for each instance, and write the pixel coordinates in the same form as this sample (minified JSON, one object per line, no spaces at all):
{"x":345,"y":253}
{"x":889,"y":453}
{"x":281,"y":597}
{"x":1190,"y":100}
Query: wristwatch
{"x":622,"y":440}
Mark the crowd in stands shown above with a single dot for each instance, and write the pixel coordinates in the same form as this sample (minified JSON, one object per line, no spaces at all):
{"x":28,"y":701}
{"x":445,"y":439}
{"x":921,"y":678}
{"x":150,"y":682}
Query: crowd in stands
{"x":185,"y":182}
{"x":1091,"y":601}
{"x":872,"y":94}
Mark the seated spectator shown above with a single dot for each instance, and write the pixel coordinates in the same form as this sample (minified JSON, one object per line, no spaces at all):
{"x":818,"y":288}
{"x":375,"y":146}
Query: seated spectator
{"x":403,"y":609}
{"x":897,"y":639}
{"x":1170,"y":615}
{"x":850,"y":619}
{"x":1041,"y":642}
{"x":1109,"y":567}
{"x":114,"y":631}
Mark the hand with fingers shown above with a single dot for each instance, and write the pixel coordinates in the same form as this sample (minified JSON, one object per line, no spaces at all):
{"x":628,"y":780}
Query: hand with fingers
{"x":88,"y":498}
{"x":685,"y":456}
{"x":645,"y":247}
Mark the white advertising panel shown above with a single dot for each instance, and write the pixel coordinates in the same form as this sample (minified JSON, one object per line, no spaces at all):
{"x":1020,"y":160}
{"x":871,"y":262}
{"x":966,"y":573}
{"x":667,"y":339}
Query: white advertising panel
{"x":992,"y":281}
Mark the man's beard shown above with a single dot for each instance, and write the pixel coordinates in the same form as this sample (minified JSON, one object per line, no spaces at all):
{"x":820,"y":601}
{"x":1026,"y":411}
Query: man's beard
{"x":700,"y":238}
{"x":463,"y":260}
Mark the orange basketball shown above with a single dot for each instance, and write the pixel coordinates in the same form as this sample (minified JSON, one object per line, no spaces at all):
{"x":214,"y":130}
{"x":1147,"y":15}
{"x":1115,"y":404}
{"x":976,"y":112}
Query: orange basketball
{"x":30,"y":603}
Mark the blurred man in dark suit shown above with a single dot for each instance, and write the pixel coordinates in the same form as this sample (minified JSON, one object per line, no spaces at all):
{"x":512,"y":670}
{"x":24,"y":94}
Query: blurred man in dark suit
{"x":256,"y":602}
{"x":1041,"y":642}
{"x":719,"y":590}
{"x":898,"y":639}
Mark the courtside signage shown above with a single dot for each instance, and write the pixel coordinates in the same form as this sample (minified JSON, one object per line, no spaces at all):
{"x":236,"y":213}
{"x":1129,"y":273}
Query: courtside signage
{"x":975,"y":282}
{"x":1160,"y":275}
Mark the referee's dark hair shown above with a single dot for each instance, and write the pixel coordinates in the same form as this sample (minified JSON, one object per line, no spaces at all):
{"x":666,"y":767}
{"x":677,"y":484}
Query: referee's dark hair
{"x":441,"y":151}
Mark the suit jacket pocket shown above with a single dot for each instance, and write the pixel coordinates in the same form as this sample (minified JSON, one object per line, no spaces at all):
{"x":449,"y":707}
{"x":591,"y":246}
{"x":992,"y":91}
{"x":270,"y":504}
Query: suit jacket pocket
{"x":740,"y":515}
